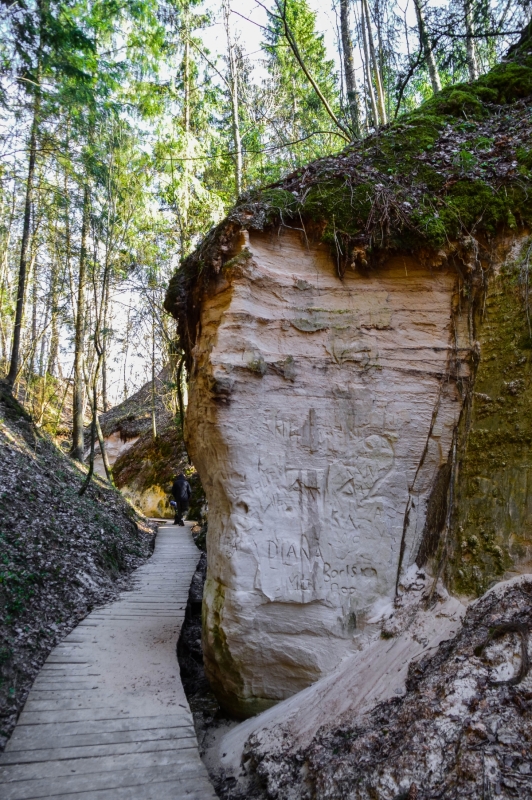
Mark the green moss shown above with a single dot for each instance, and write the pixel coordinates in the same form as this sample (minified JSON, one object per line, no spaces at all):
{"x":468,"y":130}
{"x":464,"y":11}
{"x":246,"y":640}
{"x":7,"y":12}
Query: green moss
{"x":459,"y":101}
{"x":257,"y":365}
{"x":469,"y":201}
{"x":240,"y":259}
{"x":493,"y":501}
{"x":442,"y":171}
{"x":524,"y":157}
{"x":278,"y":200}
{"x":510,"y":81}
{"x":454,"y":194}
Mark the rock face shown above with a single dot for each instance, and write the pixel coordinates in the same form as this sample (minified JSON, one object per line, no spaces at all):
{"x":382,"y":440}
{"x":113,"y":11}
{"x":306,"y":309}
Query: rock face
{"x":493,"y":506}
{"x":321,"y":416}
{"x":144,"y":467}
{"x":461,"y":729}
{"x":334,"y":416}
{"x":411,"y":631}
{"x":115,"y":446}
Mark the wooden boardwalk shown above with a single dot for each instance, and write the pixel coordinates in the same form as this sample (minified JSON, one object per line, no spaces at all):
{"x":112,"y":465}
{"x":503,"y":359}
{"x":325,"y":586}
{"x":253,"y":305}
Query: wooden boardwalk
{"x":107,"y":716}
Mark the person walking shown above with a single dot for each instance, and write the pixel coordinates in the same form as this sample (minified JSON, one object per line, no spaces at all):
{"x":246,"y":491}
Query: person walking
{"x":181,"y":492}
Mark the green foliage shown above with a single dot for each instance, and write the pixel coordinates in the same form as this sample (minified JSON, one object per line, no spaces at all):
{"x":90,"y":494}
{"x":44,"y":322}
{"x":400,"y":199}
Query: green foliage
{"x":300,"y":116}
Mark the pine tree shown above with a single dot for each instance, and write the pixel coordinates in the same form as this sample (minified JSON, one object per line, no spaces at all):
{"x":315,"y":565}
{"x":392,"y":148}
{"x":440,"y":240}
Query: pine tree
{"x":301,"y":121}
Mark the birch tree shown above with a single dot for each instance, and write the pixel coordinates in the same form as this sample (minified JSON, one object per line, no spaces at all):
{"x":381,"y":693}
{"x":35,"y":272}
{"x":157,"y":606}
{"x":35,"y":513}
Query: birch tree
{"x":353,"y":102}
{"x":426,"y":46}
{"x":233,"y":92}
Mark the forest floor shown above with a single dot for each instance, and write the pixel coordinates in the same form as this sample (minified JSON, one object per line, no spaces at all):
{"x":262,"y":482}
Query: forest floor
{"x":60,"y":554}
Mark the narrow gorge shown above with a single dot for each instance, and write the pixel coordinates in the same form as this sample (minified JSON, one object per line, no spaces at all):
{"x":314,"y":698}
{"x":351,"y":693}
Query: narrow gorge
{"x":358,"y":345}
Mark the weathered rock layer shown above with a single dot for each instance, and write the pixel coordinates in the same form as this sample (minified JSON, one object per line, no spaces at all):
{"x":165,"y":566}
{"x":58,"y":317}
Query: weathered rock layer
{"x":321,"y":412}
{"x":462,"y":729}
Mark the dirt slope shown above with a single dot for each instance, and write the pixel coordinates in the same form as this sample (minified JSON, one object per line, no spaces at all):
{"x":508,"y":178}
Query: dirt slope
{"x":60,"y":555}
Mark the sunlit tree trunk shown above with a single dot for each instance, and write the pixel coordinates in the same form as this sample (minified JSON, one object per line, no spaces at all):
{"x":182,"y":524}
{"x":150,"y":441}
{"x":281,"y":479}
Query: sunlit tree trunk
{"x":25,"y":243}
{"x":78,"y":446}
{"x":105,"y":336}
{"x":54,"y":331}
{"x":126,"y":351}
{"x":44,"y":339}
{"x":349,"y":70}
{"x":5,"y":288}
{"x":367,"y":67}
{"x":381,"y":104}
{"x":101,"y":441}
{"x":153,"y":396}
{"x":92,"y":381}
{"x":471,"y":52}
{"x":34,"y":310}
{"x":427,"y":48}
{"x":233,"y":88}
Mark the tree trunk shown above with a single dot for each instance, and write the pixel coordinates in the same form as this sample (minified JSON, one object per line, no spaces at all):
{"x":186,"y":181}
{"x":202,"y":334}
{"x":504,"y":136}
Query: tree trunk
{"x":186,"y":126}
{"x":25,"y":245}
{"x":34,"y":332}
{"x":233,"y":87}
{"x":78,"y":445}
{"x":126,"y":349}
{"x":5,"y":283}
{"x":471,"y":53}
{"x":92,"y":389}
{"x":44,"y":338}
{"x":87,"y":480}
{"x":367,"y":67}
{"x":153,"y":414}
{"x":289,"y":36}
{"x":349,"y":70}
{"x":427,"y":48}
{"x":105,"y":402}
{"x":54,"y":333}
{"x":106,"y":465}
{"x":375,"y":65}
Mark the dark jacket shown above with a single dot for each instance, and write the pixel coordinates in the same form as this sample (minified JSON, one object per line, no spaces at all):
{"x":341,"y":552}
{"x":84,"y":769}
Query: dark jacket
{"x":181,"y":491}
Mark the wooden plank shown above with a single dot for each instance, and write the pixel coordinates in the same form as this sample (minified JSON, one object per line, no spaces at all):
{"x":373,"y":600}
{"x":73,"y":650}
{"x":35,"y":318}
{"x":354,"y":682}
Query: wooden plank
{"x":107,"y":717}
{"x":183,"y":789}
{"x":181,"y":740}
{"x":66,"y":785}
{"x":64,"y":767}
{"x":26,"y":744}
{"x":47,"y":731}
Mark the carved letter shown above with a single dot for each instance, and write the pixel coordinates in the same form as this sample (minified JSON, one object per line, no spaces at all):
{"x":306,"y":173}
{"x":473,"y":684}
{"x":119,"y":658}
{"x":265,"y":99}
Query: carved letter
{"x":291,"y":551}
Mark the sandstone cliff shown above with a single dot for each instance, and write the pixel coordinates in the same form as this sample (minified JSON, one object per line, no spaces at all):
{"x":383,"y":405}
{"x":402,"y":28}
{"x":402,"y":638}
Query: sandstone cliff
{"x":143,"y":467}
{"x":358,"y":347}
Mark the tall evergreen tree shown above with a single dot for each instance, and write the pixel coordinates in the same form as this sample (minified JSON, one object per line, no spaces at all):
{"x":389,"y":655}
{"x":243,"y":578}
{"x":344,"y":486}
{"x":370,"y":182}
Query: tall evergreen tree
{"x":299,"y":120}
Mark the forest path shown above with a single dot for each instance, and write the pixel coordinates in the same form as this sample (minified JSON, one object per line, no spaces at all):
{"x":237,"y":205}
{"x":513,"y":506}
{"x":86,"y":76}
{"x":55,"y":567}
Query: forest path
{"x":107,"y":716}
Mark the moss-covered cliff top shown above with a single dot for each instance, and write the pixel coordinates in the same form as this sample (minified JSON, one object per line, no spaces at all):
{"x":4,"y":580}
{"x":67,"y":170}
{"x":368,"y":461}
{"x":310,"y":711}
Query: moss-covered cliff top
{"x":457,"y":167}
